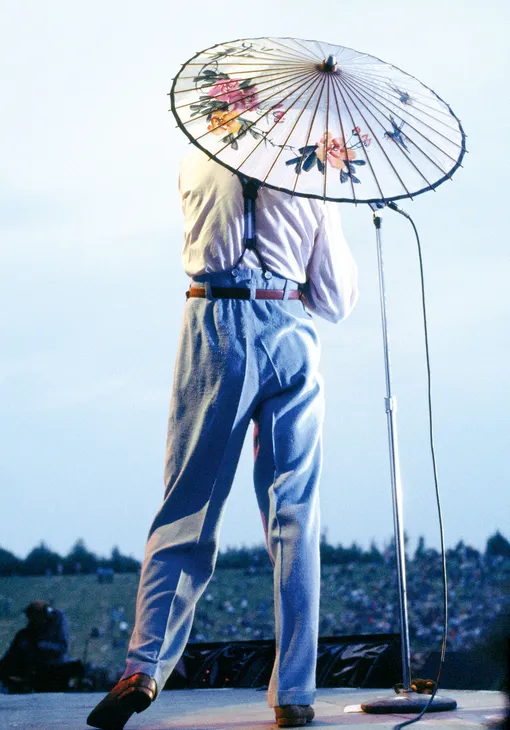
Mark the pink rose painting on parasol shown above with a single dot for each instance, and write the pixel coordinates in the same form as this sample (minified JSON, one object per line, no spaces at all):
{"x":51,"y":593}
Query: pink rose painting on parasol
{"x":335,"y":152}
{"x":237,"y":94}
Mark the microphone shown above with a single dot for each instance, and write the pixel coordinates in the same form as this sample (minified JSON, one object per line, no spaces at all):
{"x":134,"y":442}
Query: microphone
{"x":390,"y":204}
{"x":395,"y":207}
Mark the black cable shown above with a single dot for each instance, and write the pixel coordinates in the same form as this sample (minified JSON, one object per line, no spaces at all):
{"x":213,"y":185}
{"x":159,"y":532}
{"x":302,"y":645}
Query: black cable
{"x":394,"y":207}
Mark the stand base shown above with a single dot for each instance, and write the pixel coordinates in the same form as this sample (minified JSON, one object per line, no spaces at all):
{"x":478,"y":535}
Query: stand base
{"x":407,"y":702}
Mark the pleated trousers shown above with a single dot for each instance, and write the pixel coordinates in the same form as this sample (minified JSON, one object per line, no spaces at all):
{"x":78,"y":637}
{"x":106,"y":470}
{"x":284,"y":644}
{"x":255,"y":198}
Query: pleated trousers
{"x":238,"y":360}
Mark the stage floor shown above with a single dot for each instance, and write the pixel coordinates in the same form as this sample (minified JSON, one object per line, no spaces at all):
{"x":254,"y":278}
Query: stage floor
{"x":242,"y":709}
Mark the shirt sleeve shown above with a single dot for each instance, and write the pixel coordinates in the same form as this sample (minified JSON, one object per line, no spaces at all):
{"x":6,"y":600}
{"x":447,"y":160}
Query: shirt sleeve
{"x":331,"y":288}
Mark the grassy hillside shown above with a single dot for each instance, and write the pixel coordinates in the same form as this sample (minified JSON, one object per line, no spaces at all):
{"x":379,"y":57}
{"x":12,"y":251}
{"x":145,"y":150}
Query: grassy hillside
{"x":89,"y":604}
{"x":238,"y":604}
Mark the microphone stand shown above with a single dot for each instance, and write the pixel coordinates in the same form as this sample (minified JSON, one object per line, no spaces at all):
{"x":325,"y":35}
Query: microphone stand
{"x":407,"y":700}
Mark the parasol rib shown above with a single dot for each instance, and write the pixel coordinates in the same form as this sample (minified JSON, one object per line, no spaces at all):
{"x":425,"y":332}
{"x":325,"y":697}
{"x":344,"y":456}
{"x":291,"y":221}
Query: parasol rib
{"x":326,"y":131}
{"x":338,"y":81}
{"x":324,"y":53}
{"x":281,"y":79}
{"x":388,"y":89}
{"x":309,"y":53}
{"x":249,"y":126}
{"x":282,"y":147}
{"x":305,"y":53}
{"x":255,"y":104}
{"x":374,"y":101}
{"x":309,"y":132}
{"x":342,"y":61}
{"x":252,"y":54}
{"x":383,"y":127}
{"x":342,"y":129}
{"x":262,"y":71}
{"x":239,"y":63}
{"x":430,"y":159}
{"x":415,"y":87}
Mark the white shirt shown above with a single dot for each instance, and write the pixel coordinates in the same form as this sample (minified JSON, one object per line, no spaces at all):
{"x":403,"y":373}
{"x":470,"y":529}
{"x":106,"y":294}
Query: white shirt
{"x":299,"y":238}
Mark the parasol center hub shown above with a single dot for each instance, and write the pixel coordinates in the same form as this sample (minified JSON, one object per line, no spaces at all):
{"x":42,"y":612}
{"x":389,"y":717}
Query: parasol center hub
{"x":329,"y":64}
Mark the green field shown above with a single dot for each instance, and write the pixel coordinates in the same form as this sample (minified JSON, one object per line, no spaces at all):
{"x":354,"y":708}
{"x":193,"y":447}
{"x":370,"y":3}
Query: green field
{"x":238,"y":604}
{"x":88,"y":604}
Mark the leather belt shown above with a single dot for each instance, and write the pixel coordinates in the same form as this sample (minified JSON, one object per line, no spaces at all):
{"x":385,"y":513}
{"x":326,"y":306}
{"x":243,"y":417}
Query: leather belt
{"x":225,"y":292}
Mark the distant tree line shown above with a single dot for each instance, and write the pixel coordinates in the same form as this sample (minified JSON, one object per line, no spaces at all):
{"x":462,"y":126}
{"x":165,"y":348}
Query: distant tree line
{"x":44,"y":561}
{"x":497,"y":546}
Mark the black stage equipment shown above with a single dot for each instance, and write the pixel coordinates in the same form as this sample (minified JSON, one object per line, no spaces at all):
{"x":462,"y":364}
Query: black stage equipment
{"x":371,"y":661}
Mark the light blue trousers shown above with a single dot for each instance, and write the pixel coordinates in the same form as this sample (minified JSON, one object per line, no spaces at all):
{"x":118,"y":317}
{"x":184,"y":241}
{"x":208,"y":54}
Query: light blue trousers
{"x":238,"y":360}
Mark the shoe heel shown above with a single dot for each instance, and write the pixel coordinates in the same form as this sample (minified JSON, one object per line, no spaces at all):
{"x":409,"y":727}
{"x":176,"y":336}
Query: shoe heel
{"x":142,"y":699}
{"x":137,"y":699}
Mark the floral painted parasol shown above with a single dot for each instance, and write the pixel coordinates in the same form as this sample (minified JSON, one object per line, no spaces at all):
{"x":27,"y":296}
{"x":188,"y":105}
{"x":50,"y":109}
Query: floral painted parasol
{"x":317,"y":120}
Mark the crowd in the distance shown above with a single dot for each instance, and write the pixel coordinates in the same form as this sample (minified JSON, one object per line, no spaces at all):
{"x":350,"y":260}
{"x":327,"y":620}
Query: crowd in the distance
{"x":359,"y":595}
{"x":362,"y":598}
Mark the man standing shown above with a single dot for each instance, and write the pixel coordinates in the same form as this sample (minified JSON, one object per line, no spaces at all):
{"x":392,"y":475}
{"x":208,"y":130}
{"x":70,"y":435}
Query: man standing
{"x":248,"y":351}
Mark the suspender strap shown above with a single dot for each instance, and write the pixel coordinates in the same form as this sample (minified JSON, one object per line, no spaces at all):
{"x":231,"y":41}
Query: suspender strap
{"x":250,"y":192}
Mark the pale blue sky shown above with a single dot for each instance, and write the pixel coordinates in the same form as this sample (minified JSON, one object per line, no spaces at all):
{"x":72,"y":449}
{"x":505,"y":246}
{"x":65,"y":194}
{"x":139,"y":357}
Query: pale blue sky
{"x":91,"y":287}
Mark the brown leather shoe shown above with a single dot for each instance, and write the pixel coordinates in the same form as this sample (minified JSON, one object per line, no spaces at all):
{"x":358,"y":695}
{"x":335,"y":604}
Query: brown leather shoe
{"x":130,"y":695}
{"x":293,"y":715}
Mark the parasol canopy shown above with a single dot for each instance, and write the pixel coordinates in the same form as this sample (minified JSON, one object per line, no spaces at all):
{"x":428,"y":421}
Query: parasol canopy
{"x":317,"y":120}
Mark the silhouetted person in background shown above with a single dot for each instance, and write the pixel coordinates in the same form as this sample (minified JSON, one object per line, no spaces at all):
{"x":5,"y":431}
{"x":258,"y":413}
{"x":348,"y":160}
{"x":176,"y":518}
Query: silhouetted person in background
{"x":37,"y":657}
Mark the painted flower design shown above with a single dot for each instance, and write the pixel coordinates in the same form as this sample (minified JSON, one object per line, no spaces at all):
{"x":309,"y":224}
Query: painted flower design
{"x":221,"y":102}
{"x":333,"y":150}
{"x":365,"y":139}
{"x":277,"y":113}
{"x":224,"y":122}
{"x":235,"y":93}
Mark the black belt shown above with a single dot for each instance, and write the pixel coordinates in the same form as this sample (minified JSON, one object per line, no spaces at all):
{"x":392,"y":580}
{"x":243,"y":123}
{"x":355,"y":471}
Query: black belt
{"x":225,"y":292}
